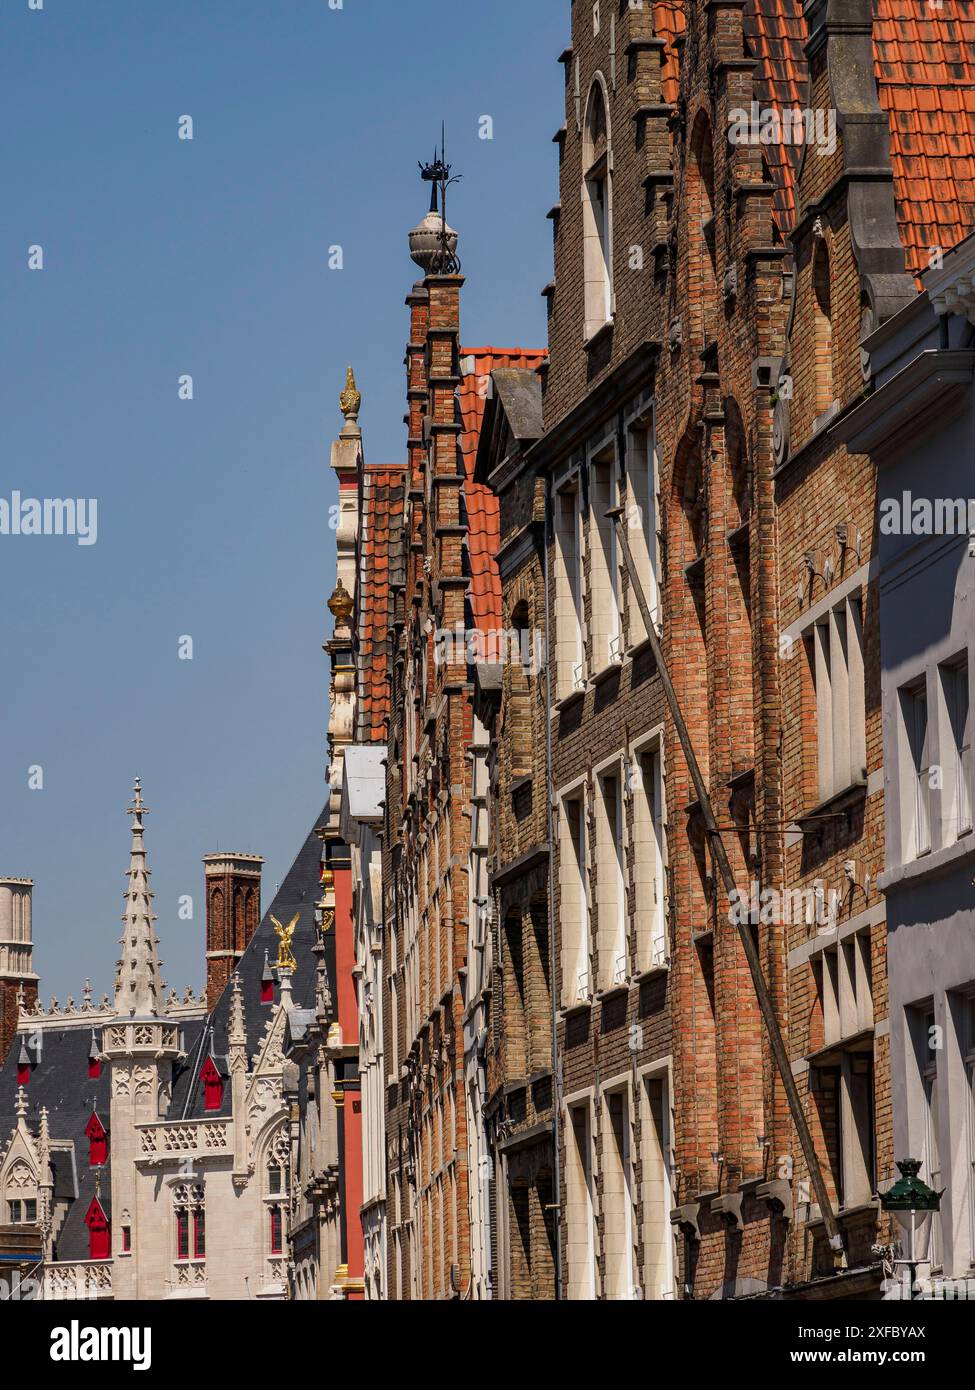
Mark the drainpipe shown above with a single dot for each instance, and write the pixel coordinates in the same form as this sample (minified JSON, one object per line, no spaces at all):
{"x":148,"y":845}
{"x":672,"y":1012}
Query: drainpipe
{"x":553,"y":962}
{"x":728,"y":879}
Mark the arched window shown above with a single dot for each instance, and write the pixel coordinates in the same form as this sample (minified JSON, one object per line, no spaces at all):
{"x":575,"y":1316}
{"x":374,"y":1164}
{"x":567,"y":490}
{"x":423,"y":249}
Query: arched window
{"x":597,"y":215}
{"x":822,"y":328}
{"x":277,"y":1168}
{"x":19,"y":1206}
{"x":189,"y":1218}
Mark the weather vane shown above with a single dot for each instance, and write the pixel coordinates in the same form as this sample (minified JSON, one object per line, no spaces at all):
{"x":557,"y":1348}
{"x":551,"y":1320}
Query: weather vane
{"x":438,"y":174}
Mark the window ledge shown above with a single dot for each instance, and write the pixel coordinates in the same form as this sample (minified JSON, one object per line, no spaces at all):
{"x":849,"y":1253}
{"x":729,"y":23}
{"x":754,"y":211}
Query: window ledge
{"x":930,"y":865}
{"x":580,"y":1006}
{"x":567,"y":701}
{"x":597,"y":336}
{"x":610,"y":991}
{"x":611,"y":668}
{"x":650,"y":972}
{"x":833,"y":806}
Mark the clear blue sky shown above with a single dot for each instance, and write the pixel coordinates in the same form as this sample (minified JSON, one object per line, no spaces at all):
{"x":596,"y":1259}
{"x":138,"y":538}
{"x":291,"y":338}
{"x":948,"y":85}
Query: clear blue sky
{"x":164,"y":257}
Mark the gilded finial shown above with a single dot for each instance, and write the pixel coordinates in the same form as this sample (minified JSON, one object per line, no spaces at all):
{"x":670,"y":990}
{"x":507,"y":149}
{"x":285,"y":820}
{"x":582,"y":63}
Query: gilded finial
{"x":351,"y":398}
{"x":341,"y":604}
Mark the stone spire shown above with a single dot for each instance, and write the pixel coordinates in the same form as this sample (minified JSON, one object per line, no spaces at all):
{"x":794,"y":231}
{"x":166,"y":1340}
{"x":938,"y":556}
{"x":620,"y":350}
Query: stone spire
{"x":138,"y":986}
{"x":237,"y":1031}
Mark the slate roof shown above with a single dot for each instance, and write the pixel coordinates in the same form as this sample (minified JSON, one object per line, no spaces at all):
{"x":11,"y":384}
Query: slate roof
{"x":381,"y":569}
{"x":484,"y":532}
{"x":299,"y":893}
{"x":60,"y":1079}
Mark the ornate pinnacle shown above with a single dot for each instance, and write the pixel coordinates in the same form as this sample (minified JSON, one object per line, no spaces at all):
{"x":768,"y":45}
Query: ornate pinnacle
{"x":20,"y":1105}
{"x":351,"y":398}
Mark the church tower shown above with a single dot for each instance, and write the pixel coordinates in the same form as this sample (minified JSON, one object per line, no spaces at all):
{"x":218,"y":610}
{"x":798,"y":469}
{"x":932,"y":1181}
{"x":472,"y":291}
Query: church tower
{"x":233,"y":891}
{"x":140,"y":1044}
{"x":16,"y":949}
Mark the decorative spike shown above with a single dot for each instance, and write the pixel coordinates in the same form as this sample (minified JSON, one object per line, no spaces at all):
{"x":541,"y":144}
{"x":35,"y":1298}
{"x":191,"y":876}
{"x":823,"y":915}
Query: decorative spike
{"x":20,"y":1106}
{"x":138,"y":985}
{"x":237,"y":1031}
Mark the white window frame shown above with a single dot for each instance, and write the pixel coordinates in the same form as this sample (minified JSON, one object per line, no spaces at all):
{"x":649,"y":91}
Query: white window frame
{"x":838,"y":679}
{"x":574,"y":864}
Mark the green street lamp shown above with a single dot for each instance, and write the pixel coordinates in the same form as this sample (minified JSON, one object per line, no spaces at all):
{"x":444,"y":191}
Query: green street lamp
{"x":913,"y":1204}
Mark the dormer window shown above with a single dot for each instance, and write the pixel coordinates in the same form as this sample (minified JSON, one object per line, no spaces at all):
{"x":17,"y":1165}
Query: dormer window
{"x":267,"y":983}
{"x":23,"y":1066}
{"x":97,"y":1137}
{"x":94,"y":1061}
{"x":99,"y":1232}
{"x":212,"y":1085}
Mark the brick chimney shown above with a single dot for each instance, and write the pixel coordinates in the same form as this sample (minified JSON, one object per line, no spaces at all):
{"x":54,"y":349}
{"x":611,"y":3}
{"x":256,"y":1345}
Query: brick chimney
{"x":233,"y":888}
{"x":16,"y":950}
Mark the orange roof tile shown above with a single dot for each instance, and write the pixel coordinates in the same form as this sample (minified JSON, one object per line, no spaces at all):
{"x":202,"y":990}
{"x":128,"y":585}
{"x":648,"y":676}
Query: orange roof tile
{"x":380,"y":566}
{"x":924,"y":62}
{"x":775,"y":32}
{"x":484,"y":533}
{"x":669,"y":24}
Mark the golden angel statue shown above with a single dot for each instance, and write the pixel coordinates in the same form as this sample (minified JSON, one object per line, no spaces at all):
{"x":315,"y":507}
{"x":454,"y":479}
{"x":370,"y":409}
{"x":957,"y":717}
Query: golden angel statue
{"x":285,"y":960}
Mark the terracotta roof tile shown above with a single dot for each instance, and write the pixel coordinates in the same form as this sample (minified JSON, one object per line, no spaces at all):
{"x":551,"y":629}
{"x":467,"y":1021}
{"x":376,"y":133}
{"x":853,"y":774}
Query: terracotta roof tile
{"x":775,"y":32}
{"x":379,"y":536}
{"x":669,"y":24}
{"x":925,"y":70}
{"x":484,"y":534}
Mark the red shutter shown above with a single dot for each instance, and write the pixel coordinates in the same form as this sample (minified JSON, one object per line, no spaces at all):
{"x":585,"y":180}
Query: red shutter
{"x":99,"y":1233}
{"x":23,"y":1073}
{"x":267,"y":991}
{"x":212,"y":1085}
{"x":97,"y":1142}
{"x":275,"y":1230}
{"x":94,"y":1068}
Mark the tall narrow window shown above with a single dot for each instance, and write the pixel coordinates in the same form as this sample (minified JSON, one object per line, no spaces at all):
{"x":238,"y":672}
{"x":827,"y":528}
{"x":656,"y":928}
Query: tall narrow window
{"x":822,"y":337}
{"x":597,"y":214}
{"x":604,"y":575}
{"x":182,"y":1234}
{"x":914,"y":706}
{"x":568,"y":591}
{"x":199,"y":1234}
{"x":954,"y":683}
{"x":618,"y":1245}
{"x":580,"y":1207}
{"x":928,"y":1059}
{"x":658,"y":1244}
{"x":641,"y":531}
{"x":610,"y":895}
{"x":574,"y":876}
{"x":648,"y":860}
{"x":836,"y":659}
{"x":274,"y":1216}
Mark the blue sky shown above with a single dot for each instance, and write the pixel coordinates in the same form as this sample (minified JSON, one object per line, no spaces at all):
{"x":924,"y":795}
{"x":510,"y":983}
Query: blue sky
{"x":210,"y":257}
